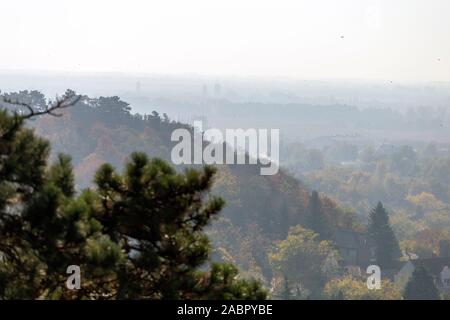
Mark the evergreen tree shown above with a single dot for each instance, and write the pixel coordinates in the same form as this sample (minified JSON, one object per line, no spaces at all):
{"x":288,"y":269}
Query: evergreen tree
{"x":386,"y":245}
{"x":136,"y":235}
{"x":158,"y":216}
{"x":421,"y":286}
{"x":340,"y":295}
{"x":316,"y":218}
{"x":286,"y":294}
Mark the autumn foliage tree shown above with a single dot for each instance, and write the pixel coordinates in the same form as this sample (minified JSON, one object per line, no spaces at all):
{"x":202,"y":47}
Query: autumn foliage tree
{"x":350,"y":288}
{"x":304,"y":262}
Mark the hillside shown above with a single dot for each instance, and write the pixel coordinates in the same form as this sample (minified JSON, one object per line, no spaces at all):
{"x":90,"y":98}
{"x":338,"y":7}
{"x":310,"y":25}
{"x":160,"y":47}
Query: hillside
{"x":259,"y":209}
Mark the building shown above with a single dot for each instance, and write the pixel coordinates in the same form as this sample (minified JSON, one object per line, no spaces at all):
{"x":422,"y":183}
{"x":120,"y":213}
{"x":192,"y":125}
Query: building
{"x":438,"y":268}
{"x":355,"y":248}
{"x":358,"y":251}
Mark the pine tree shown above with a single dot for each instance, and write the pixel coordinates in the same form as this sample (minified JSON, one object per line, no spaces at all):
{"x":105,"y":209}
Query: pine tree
{"x":340,"y":295}
{"x":43,"y":227}
{"x":286,"y":293}
{"x":421,"y":286}
{"x":316,"y":219}
{"x":386,"y":245}
{"x":136,"y":235}
{"x":159,"y":216}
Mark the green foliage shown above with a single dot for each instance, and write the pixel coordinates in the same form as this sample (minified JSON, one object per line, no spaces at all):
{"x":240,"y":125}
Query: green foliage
{"x":43,"y":228}
{"x":317,"y":221}
{"x":421,"y":286}
{"x":221,"y":283}
{"x":135,"y":235}
{"x":386,"y":245}
{"x":62,"y":175}
{"x":305,"y":261}
{"x":158,"y":216}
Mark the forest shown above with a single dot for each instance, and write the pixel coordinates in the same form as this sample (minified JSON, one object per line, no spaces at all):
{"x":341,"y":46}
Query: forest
{"x":86,"y":181}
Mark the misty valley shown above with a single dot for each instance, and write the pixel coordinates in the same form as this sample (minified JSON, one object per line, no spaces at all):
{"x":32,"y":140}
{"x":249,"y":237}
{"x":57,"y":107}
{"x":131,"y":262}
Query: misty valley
{"x":338,"y":205}
{"x":210,"y":159}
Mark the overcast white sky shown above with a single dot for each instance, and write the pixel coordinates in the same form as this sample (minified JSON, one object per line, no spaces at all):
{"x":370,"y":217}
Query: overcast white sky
{"x":382,"y":39}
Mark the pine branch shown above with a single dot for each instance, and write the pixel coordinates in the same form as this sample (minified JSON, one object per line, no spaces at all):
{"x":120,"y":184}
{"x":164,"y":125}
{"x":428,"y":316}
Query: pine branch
{"x":64,"y":102}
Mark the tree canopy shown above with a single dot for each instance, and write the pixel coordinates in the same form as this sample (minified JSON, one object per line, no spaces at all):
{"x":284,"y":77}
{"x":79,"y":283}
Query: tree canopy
{"x":350,"y":288}
{"x":421,"y":286}
{"x":305,"y":262}
{"x":139,"y":234}
{"x":386,"y":245}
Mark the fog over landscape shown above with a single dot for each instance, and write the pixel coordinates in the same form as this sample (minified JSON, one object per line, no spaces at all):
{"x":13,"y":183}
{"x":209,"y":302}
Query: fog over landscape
{"x":93,"y":92}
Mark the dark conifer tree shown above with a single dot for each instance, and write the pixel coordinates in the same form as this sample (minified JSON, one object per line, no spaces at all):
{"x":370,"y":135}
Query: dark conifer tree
{"x":340,"y":295}
{"x":286,"y":293}
{"x":387,"y":249}
{"x":421,"y":286}
{"x":316,"y":218}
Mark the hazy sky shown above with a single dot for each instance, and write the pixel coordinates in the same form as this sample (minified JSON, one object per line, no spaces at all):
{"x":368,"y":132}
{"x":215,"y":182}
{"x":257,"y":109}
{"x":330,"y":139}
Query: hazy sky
{"x":314,"y":39}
